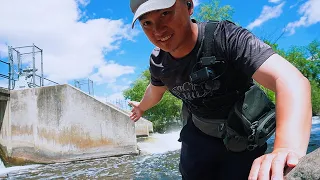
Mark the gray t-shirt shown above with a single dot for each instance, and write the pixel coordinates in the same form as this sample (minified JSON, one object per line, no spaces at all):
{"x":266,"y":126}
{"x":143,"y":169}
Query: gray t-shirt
{"x":243,"y":54}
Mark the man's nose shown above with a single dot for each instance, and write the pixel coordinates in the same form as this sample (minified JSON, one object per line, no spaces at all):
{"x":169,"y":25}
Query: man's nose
{"x":159,"y":29}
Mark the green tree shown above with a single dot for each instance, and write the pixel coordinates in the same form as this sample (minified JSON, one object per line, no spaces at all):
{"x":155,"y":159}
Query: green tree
{"x":314,"y":50}
{"x":314,"y":74}
{"x":307,"y":60}
{"x":165,"y":114}
{"x":314,"y":59}
{"x":315,"y":97}
{"x":212,"y":11}
{"x":276,"y":48}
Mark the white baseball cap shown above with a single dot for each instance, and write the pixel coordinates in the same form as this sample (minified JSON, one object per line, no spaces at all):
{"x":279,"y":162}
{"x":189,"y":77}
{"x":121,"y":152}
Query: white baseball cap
{"x":140,"y":7}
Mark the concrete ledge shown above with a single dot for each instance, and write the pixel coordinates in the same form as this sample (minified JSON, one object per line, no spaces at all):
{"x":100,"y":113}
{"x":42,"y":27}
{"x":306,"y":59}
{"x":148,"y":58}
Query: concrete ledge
{"x":4,"y":94}
{"x":143,"y":127}
{"x":4,"y":91}
{"x":61,"y":123}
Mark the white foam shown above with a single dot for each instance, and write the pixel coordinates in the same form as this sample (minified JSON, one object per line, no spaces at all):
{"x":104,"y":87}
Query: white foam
{"x":316,"y":120}
{"x":5,"y":171}
{"x":1,"y":164}
{"x":160,"y":143}
{"x":314,"y":130}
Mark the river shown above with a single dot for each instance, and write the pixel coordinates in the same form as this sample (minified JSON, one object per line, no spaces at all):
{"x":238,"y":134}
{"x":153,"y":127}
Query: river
{"x":159,"y":160}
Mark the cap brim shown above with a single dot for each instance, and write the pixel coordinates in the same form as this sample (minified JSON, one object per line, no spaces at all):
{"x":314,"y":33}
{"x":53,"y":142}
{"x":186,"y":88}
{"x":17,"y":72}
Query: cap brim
{"x":151,"y":5}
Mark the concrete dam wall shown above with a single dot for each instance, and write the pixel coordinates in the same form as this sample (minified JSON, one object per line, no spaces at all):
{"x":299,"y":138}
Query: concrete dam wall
{"x":61,"y":123}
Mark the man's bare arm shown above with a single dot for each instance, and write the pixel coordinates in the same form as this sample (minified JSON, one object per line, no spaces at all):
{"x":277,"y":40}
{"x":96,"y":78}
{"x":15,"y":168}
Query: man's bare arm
{"x":293,"y":117}
{"x":293,"y":102}
{"x":152,"y":96}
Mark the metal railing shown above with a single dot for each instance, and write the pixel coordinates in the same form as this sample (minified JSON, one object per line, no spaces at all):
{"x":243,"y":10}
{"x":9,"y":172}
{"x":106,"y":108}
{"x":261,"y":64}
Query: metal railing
{"x":17,"y":57}
{"x":43,"y":78}
{"x":7,"y":76}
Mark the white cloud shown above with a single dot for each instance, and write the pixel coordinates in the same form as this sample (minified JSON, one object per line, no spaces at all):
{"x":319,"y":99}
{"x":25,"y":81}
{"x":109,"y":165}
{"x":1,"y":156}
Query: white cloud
{"x":72,"y":49}
{"x":266,"y":14}
{"x":196,"y":3}
{"x":3,"y":51}
{"x":296,"y":4}
{"x":4,"y":82}
{"x":274,"y":1}
{"x":126,"y":80}
{"x":117,"y":88}
{"x":108,"y":72}
{"x":118,"y":100}
{"x":83,"y":2}
{"x":121,"y":52}
{"x":115,"y":97}
{"x":310,"y":15}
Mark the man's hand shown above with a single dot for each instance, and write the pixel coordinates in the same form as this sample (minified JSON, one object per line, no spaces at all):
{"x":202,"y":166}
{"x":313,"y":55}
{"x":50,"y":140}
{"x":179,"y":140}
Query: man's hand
{"x":271,"y":166}
{"x":136,"y":111}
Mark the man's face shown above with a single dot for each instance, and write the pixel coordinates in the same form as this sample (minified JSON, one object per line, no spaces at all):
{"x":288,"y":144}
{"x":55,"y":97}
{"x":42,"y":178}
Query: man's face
{"x":168,"y":28}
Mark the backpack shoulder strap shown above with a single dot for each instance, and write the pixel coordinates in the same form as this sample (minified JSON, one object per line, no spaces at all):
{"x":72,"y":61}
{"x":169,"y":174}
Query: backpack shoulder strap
{"x":208,"y":52}
{"x":208,"y":38}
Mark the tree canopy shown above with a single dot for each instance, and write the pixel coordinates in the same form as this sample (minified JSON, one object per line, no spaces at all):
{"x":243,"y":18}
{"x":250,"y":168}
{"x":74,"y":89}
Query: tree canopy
{"x":213,"y":11}
{"x":307,"y":60}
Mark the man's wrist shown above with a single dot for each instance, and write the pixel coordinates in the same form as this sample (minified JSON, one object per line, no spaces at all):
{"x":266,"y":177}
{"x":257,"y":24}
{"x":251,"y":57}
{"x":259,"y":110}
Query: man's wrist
{"x":142,"y":109}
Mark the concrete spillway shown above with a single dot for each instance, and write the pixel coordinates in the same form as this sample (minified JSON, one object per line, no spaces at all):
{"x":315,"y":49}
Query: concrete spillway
{"x":61,"y":123}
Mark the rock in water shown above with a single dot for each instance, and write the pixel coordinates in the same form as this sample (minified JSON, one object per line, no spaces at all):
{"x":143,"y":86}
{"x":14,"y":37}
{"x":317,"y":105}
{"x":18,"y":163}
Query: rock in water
{"x":308,"y":167}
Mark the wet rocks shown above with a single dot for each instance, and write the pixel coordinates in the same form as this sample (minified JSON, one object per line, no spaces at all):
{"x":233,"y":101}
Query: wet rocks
{"x":308,"y":167}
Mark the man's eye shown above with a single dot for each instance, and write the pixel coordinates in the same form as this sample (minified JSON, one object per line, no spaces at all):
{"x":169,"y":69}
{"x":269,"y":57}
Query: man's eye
{"x":165,"y":13}
{"x":146,"y":23}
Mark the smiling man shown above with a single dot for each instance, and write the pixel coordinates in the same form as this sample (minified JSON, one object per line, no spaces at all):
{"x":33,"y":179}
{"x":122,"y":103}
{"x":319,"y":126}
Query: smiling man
{"x":211,"y":67}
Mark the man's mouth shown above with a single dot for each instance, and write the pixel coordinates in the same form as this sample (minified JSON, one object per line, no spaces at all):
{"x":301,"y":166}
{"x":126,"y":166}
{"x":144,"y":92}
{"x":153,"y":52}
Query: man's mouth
{"x":166,"y":38}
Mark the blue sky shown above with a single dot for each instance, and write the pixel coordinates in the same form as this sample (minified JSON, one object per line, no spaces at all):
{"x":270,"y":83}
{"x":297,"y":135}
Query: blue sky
{"x":93,"y":39}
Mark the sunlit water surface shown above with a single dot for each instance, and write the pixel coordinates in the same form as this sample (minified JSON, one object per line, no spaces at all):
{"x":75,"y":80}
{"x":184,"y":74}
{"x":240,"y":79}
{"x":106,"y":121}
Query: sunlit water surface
{"x":159,"y":160}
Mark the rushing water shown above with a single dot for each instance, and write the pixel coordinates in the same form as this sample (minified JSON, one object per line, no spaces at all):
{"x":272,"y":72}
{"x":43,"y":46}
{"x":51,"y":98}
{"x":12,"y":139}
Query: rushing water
{"x":159,"y":160}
